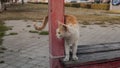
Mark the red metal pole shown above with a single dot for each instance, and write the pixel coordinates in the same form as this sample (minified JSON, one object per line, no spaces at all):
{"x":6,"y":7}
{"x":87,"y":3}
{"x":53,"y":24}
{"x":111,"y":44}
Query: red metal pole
{"x":56,"y":13}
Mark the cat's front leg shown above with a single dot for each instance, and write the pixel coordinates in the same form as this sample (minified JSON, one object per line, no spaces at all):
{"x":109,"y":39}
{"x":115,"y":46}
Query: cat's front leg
{"x":67,"y":51}
{"x":74,"y":51}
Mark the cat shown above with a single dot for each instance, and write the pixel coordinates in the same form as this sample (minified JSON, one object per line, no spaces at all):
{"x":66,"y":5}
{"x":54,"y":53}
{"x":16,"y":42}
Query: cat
{"x":69,"y":31}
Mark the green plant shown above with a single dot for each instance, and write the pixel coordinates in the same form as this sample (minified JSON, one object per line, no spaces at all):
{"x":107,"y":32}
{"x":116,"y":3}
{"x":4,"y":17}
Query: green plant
{"x":3,"y":28}
{"x":33,"y":31}
{"x":28,"y":25}
{"x":44,"y":33}
{"x":2,"y":34}
{"x":13,"y":33}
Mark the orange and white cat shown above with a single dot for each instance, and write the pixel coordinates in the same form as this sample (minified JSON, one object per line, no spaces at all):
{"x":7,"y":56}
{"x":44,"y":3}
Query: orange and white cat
{"x":69,"y":31}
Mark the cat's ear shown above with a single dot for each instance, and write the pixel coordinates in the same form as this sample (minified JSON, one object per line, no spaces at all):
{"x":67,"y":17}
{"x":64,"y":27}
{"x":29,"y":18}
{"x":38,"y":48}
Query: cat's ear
{"x":63,"y":25}
{"x":60,"y":23}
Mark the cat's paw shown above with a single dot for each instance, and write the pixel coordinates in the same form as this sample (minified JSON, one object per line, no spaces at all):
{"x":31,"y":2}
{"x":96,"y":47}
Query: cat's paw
{"x":66,"y":59}
{"x":75,"y":58}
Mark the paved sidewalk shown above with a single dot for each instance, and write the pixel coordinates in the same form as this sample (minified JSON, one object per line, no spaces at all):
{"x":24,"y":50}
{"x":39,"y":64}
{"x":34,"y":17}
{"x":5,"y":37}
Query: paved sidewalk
{"x":25,"y":50}
{"x":30,"y":50}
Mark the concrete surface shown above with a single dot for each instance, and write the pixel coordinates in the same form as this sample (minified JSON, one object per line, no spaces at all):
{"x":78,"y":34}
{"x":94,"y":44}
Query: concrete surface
{"x":30,"y":50}
{"x":25,"y":50}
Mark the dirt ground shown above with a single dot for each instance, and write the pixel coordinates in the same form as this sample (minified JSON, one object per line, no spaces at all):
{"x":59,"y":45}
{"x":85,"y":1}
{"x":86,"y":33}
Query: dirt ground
{"x":39,"y":11}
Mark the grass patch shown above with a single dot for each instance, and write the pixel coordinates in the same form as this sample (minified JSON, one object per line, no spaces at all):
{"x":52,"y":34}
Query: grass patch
{"x":85,"y":23}
{"x":44,"y":33}
{"x":33,"y":31}
{"x":3,"y":28}
{"x":83,"y":26}
{"x":1,"y":62}
{"x":13,"y":33}
{"x":2,"y":34}
{"x":3,"y":48}
{"x":40,"y":33}
{"x":28,"y":25}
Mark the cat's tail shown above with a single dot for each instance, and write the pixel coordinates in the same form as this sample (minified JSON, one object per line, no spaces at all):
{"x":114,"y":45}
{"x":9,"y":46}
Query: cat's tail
{"x":42,"y":25}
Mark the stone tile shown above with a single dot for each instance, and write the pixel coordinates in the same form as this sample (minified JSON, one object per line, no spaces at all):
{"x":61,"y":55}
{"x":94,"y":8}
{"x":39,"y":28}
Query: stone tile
{"x":27,"y":66}
{"x":40,"y":66}
{"x":28,"y":50}
{"x":11,"y":66}
{"x":34,"y":62}
{"x":3,"y":65}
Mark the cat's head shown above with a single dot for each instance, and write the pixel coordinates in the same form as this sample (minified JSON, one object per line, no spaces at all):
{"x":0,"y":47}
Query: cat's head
{"x":61,"y":30}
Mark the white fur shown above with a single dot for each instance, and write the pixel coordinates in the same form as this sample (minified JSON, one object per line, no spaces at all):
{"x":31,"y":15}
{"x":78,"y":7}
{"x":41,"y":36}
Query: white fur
{"x":71,"y":38}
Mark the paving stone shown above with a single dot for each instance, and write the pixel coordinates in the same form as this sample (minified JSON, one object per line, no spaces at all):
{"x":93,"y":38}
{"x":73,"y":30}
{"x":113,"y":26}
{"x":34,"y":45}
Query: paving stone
{"x":34,"y":62}
{"x":30,"y":50}
{"x":3,"y":65}
{"x":28,"y":66}
{"x":11,"y":66}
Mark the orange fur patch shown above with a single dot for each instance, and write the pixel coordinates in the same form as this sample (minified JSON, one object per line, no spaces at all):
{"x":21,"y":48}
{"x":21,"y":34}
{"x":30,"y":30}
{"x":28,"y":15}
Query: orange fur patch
{"x":69,"y":19}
